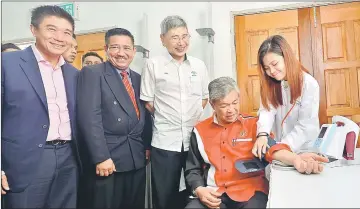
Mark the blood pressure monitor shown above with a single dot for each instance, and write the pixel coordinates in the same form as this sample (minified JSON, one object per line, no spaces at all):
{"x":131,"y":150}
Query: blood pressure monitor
{"x":327,"y":131}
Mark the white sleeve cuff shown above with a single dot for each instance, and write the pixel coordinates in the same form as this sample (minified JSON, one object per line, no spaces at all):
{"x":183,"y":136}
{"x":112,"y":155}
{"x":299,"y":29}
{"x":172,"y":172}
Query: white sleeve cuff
{"x":146,"y":98}
{"x":205,"y":96}
{"x":263,"y":129}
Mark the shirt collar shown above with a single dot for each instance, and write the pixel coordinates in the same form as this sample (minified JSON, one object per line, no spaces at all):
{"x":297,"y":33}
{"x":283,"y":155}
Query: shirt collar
{"x":40,"y":58}
{"x":215,"y":120}
{"x":127,"y":70}
{"x":169,"y":58}
{"x":284,"y":84}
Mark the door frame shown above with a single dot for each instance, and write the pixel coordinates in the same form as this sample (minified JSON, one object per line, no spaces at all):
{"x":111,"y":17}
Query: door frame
{"x":267,"y":10}
{"x":94,"y":30}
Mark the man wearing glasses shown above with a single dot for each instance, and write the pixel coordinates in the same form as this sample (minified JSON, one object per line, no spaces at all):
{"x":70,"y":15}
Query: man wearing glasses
{"x":114,"y":125}
{"x":174,"y":87}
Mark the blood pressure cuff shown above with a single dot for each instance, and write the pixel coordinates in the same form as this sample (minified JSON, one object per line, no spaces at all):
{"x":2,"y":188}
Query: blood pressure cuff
{"x":273,"y":147}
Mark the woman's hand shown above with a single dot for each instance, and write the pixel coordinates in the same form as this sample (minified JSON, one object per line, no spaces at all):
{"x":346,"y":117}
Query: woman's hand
{"x":260,"y":146}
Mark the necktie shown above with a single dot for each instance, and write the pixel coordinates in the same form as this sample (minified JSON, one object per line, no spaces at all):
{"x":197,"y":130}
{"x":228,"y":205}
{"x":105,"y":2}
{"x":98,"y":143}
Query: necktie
{"x":130,"y":91}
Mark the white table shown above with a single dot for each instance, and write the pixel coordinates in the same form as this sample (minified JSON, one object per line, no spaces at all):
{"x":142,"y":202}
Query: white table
{"x":335,"y":187}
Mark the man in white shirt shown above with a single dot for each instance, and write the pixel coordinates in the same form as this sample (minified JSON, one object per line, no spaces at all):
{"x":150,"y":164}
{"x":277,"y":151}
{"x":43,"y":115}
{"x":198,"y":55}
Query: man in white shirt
{"x":175,"y":89}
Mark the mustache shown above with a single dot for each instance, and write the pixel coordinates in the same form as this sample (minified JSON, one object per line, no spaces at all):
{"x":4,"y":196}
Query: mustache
{"x":119,"y":57}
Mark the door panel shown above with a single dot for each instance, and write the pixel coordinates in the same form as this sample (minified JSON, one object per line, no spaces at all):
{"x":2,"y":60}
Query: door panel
{"x":338,"y":66}
{"x":89,"y":42}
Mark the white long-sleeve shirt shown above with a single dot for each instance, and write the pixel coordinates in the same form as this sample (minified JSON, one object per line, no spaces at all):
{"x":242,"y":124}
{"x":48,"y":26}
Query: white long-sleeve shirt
{"x":302,"y":124}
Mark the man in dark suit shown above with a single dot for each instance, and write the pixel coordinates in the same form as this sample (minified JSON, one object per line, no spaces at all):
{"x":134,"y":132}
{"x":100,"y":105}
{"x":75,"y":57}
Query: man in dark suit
{"x":115,"y":125}
{"x":39,"y":149}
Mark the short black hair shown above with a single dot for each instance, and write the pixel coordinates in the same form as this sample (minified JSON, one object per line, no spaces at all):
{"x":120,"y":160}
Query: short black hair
{"x":118,"y":32}
{"x":88,"y":54}
{"x":9,"y":46}
{"x":39,"y":13}
{"x":74,"y":36}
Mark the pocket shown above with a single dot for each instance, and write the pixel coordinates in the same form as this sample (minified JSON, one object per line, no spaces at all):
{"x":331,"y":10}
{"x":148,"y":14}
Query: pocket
{"x":7,"y":140}
{"x":194,"y":86}
{"x":243,"y":145}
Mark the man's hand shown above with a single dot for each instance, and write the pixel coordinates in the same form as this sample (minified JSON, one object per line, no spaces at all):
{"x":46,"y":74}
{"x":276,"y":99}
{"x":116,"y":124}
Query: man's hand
{"x":260,"y":146}
{"x":150,"y":107}
{"x":208,"y":197}
{"x":147,"y":155}
{"x":105,"y":168}
{"x":309,"y":163}
{"x":4,"y":183}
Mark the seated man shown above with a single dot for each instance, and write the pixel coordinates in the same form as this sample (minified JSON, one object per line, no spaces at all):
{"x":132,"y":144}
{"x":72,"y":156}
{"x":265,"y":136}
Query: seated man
{"x":210,"y":166}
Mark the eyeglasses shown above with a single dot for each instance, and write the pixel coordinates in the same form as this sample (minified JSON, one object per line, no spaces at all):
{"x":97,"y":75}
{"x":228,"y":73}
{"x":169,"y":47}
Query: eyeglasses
{"x":117,"y":48}
{"x":176,"y":39}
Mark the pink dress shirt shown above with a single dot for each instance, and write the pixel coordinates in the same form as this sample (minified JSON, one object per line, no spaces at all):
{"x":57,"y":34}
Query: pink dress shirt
{"x":55,"y":96}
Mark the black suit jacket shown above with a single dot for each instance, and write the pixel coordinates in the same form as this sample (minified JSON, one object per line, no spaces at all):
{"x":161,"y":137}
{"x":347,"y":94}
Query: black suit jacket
{"x":107,"y":119}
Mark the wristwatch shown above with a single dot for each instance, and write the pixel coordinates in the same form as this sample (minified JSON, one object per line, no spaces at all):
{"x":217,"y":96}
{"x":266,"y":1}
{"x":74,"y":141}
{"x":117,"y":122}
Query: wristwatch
{"x":2,"y":173}
{"x":194,"y":193}
{"x":262,"y":134}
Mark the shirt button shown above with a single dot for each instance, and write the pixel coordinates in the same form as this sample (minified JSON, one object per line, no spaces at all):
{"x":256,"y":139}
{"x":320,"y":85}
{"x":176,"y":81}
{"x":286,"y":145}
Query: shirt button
{"x":224,"y":158}
{"x":223,"y":142}
{"x":119,"y":119}
{"x":115,"y":102}
{"x":40,"y":145}
{"x":225,"y":128}
{"x":224,"y":170}
{"x":44,"y":126}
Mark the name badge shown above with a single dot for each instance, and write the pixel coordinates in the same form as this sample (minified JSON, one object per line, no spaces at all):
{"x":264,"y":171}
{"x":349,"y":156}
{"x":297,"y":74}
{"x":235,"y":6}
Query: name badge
{"x":242,"y":140}
{"x":194,"y":76}
{"x":235,"y":141}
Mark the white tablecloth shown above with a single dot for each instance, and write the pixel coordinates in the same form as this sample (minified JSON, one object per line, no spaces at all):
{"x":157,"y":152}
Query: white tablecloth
{"x":335,"y":187}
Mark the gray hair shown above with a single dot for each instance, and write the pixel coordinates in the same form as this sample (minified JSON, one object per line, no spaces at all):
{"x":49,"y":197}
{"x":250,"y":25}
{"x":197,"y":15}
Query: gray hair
{"x":171,"y":22}
{"x":220,"y":87}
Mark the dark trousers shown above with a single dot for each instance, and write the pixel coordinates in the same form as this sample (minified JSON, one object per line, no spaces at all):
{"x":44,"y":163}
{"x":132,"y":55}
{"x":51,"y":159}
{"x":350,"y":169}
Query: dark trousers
{"x":86,"y":189}
{"x":165,"y":173}
{"x":122,"y":190}
{"x":259,"y":200}
{"x":54,"y":185}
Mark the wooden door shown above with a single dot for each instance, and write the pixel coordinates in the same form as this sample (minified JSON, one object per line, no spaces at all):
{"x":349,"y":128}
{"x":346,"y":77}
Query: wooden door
{"x":89,"y":42}
{"x":337,"y":64}
{"x":250,"y":32}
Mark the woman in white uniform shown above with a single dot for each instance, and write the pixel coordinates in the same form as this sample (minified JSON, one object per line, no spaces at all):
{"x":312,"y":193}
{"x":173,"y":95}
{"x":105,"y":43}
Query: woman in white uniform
{"x":289,"y":103}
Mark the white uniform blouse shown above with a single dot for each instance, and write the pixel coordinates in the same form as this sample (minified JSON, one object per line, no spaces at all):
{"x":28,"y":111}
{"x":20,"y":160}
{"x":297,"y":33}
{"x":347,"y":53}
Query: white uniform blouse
{"x":302,"y":123}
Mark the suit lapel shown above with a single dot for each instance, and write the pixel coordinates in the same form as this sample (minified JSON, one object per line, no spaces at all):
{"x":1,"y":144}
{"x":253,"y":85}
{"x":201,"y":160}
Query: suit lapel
{"x":31,"y":69}
{"x":118,"y":89}
{"x":136,"y":86}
